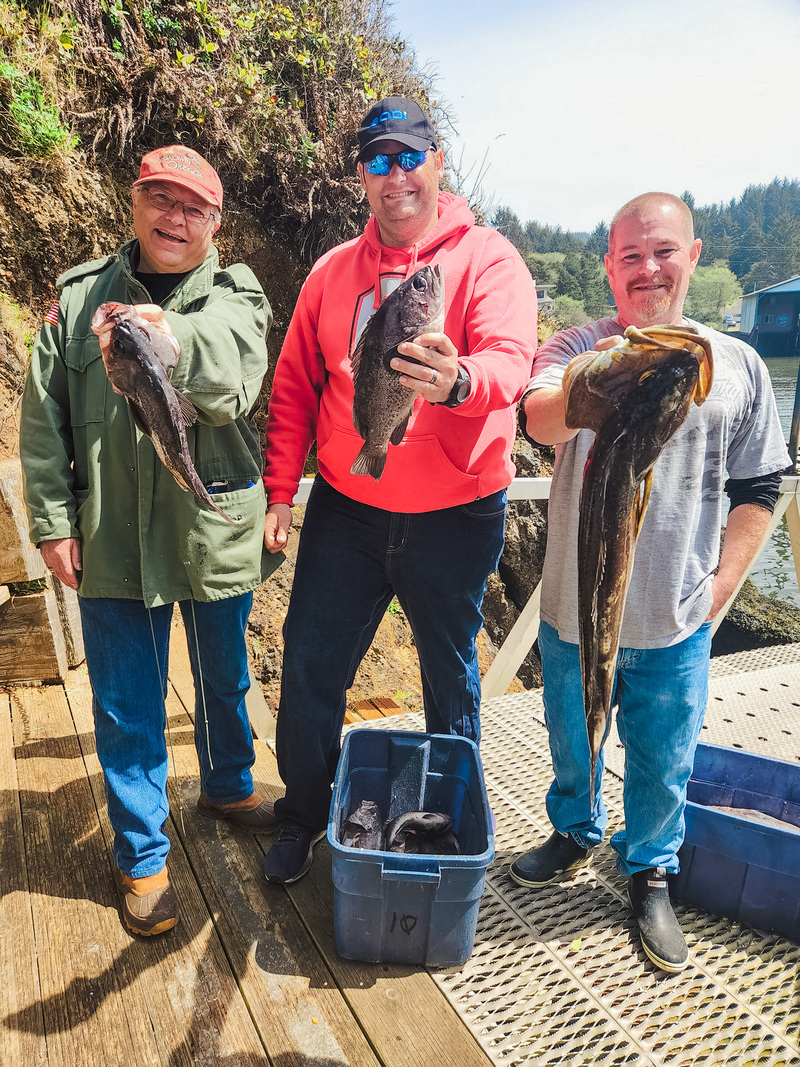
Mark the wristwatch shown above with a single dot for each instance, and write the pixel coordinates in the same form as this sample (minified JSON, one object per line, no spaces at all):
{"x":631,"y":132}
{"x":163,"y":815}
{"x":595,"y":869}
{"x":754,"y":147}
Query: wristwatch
{"x":460,"y":391}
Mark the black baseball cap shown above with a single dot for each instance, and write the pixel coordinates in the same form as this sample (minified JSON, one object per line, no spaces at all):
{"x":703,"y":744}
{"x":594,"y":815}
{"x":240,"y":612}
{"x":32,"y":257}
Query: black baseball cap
{"x":395,"y":118}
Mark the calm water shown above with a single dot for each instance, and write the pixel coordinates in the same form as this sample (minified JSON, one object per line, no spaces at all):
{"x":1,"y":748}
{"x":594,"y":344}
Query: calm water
{"x":774,"y":569}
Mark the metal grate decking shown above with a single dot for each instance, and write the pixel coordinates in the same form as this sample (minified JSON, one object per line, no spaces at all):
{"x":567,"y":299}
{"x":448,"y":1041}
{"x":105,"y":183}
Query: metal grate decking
{"x":557,"y":975}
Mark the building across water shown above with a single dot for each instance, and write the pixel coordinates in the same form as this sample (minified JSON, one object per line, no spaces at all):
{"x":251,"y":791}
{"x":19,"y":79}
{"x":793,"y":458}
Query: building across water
{"x":770,"y":319}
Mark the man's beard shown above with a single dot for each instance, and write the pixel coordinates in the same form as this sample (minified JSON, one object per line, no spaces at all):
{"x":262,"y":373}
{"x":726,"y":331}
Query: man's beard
{"x":650,"y":305}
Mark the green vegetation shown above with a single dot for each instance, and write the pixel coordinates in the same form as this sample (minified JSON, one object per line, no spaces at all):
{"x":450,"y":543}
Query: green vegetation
{"x":569,"y":312}
{"x":271,"y":91}
{"x":27,"y":119}
{"x":710,"y":290}
{"x":36,"y":585}
{"x":17,"y":323}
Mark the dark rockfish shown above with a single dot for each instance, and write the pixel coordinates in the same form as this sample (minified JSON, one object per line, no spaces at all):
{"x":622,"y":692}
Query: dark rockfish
{"x":428,"y":833}
{"x":634,"y":397}
{"x":382,"y":406}
{"x":136,"y":365}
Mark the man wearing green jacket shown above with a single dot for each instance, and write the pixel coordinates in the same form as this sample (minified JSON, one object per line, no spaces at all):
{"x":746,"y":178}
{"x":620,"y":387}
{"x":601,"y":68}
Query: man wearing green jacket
{"x":111,"y":521}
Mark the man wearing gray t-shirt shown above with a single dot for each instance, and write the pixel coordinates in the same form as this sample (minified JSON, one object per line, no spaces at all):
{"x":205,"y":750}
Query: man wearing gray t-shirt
{"x":731,"y":444}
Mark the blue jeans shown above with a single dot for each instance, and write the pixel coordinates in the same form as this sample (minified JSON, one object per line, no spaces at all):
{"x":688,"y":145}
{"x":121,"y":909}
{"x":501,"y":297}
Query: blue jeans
{"x":351,"y":560}
{"x":129,"y":687}
{"x":661,"y":697}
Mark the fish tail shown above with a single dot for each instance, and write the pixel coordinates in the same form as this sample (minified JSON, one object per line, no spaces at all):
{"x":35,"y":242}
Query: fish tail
{"x":224,"y":514}
{"x":369,"y":463}
{"x":592,"y":769}
{"x":208,"y":503}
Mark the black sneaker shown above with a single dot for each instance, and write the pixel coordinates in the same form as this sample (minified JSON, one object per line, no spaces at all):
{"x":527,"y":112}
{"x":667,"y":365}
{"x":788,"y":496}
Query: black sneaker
{"x":291,"y":855}
{"x":559,"y":856}
{"x":662,"y":938}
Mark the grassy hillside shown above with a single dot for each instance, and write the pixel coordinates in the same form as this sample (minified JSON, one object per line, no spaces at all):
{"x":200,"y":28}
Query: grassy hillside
{"x":270,"y":92}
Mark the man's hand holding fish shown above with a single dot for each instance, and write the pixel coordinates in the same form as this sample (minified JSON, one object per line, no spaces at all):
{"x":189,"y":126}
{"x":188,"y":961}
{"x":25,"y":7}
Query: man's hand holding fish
{"x":428,"y":364}
{"x":655,"y":418}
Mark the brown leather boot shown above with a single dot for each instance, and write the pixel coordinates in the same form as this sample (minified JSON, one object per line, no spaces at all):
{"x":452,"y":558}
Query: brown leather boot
{"x":149,"y":905}
{"x":252,"y":813}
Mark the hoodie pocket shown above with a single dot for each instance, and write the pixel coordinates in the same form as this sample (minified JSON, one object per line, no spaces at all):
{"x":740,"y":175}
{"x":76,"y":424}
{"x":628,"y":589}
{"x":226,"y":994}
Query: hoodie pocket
{"x":87,"y":380}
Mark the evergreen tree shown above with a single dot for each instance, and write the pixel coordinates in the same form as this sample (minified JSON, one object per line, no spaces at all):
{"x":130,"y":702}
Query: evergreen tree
{"x":594,"y":286}
{"x":507,"y":223}
{"x":598,"y":240}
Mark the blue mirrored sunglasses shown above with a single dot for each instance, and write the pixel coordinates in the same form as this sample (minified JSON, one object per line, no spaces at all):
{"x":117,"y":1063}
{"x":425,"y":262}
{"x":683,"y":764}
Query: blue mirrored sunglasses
{"x":382,"y":164}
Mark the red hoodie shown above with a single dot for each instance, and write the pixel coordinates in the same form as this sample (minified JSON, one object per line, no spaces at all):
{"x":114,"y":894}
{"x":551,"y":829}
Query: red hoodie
{"x":448,"y":456}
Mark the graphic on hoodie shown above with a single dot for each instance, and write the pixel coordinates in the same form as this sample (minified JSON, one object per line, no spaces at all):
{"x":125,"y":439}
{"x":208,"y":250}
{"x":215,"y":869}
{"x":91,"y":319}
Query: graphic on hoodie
{"x":365,"y":306}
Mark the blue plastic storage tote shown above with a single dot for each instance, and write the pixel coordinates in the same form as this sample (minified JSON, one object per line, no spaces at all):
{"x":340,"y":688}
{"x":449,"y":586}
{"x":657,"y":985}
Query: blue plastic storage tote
{"x":736,"y":866}
{"x":400,"y":908}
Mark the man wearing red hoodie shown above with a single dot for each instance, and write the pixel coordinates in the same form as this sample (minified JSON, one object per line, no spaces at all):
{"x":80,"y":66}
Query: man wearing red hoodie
{"x":430,"y":530}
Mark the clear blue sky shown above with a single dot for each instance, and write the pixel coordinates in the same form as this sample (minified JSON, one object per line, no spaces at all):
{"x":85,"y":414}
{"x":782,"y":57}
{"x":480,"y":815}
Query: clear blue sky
{"x":580,"y":105}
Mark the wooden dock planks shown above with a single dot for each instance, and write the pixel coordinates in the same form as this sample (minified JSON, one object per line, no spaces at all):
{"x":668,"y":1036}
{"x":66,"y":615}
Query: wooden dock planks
{"x":249,"y":977}
{"x":20,"y":996}
{"x":406,"y":1015}
{"x":186,"y":990}
{"x":82,"y":1005}
{"x":295,"y":1004}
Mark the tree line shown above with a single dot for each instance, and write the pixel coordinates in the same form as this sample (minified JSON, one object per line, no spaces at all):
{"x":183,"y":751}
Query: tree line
{"x":748,"y":243}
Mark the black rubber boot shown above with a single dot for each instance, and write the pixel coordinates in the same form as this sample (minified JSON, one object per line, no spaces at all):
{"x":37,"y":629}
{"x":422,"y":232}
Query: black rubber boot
{"x":662,"y":938}
{"x":557,"y":858}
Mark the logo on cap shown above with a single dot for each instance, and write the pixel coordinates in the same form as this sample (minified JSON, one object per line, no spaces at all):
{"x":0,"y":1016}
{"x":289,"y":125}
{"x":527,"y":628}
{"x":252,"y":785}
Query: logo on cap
{"x":386,"y":115}
{"x":175,"y":162}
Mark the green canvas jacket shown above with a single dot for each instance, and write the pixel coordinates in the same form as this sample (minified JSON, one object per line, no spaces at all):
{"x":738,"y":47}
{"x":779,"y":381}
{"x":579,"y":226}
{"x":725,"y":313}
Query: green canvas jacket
{"x":90,"y":473}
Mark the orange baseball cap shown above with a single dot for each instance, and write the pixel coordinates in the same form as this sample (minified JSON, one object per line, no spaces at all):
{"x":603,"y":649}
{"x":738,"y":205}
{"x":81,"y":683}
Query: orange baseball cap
{"x":182,"y":166}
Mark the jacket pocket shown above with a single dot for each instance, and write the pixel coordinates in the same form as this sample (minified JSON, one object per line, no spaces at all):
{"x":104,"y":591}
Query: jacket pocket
{"x":87,"y":380}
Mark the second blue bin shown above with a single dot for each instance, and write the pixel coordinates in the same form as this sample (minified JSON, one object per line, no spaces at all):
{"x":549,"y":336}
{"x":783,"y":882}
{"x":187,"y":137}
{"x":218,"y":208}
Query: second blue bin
{"x":396,"y":907}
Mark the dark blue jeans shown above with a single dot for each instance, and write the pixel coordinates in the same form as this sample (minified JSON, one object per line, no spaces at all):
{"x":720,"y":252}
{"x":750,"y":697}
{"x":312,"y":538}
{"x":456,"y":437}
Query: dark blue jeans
{"x":351,"y":560}
{"x":129,"y":686}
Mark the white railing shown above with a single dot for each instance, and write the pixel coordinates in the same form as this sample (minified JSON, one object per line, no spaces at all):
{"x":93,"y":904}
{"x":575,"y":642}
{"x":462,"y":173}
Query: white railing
{"x":520,"y":640}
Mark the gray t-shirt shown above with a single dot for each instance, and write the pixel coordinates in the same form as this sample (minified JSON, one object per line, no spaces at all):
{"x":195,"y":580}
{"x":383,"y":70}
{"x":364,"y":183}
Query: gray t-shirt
{"x":736,"y":430}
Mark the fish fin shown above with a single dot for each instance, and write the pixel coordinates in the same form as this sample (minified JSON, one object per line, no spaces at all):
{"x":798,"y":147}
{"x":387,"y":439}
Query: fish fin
{"x":165,"y":346}
{"x":399,"y":432}
{"x":187,"y":409}
{"x":372,"y":465}
{"x":640,"y":504}
{"x":138,"y":418}
{"x":360,"y":425}
{"x":706,"y":378}
{"x":355,"y":356}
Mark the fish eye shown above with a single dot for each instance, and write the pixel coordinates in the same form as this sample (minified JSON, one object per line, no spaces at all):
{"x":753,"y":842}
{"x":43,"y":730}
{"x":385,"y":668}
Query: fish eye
{"x":418,"y":283}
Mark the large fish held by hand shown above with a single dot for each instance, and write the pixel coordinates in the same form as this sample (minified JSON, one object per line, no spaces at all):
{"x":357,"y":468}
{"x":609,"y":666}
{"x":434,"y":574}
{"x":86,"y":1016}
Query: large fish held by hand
{"x":137,"y":364}
{"x":635,"y":397}
{"x":381,"y":405}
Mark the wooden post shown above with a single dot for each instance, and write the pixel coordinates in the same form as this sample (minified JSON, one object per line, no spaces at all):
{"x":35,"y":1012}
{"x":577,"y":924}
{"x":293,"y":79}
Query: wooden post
{"x":19,"y":560}
{"x":40,"y":631}
{"x":32,"y":646}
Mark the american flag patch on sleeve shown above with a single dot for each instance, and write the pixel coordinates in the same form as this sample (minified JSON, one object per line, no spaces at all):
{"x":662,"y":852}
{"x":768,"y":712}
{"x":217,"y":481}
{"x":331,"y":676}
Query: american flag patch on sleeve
{"x":52,"y":314}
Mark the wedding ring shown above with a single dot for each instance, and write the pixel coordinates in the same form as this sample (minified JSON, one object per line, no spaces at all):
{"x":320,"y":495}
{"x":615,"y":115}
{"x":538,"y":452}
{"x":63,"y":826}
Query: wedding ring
{"x":435,"y":377}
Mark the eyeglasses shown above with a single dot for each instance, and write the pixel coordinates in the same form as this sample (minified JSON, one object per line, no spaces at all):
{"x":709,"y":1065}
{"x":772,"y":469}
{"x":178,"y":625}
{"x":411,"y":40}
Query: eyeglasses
{"x":194,"y":215}
{"x":382,"y":163}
